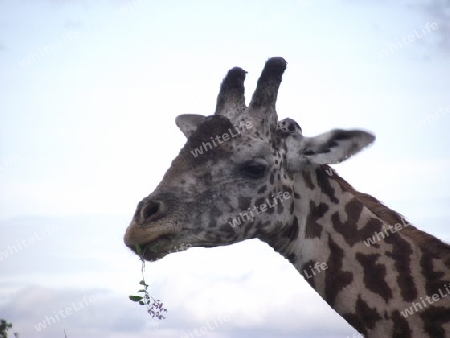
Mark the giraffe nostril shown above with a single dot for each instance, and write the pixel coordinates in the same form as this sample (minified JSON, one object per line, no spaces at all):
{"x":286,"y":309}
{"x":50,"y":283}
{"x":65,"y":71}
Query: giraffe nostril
{"x":151,"y":210}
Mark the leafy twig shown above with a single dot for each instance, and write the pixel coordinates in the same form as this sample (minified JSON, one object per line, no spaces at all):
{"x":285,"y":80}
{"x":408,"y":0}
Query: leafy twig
{"x":154,"y":306}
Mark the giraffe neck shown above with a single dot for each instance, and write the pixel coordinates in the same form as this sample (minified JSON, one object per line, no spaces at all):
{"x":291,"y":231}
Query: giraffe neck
{"x":382,"y":275}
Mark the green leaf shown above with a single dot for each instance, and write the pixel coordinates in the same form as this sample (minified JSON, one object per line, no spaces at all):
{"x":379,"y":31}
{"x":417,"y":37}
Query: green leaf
{"x":142,"y":282}
{"x":141,"y":302}
{"x":136,"y":298}
{"x":143,"y":290}
{"x":138,"y":249}
{"x":154,"y":247}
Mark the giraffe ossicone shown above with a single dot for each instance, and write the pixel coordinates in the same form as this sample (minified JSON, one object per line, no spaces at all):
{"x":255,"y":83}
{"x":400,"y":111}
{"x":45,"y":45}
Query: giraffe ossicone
{"x":394,"y":287}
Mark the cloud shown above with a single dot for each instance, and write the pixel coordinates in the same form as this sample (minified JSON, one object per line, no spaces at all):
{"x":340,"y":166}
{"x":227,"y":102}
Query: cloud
{"x":44,"y":312}
{"x":74,"y":24}
{"x":435,"y":11}
{"x":440,"y":11}
{"x":39,"y":312}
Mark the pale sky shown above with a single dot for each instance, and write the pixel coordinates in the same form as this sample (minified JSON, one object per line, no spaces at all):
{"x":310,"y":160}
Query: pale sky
{"x":90,"y":93}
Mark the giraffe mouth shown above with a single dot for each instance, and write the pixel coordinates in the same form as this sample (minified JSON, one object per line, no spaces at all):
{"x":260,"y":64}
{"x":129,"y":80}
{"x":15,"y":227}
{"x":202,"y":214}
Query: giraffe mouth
{"x":154,"y":249}
{"x":150,"y":242}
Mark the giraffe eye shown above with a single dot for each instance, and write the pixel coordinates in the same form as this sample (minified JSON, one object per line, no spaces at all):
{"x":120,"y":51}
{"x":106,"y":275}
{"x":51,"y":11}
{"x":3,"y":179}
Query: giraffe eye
{"x":253,"y":169}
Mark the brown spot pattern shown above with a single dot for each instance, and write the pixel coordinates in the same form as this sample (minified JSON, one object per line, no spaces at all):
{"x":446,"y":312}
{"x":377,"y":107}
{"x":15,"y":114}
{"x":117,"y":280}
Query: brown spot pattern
{"x":335,"y":278}
{"x":401,"y":327}
{"x":364,"y":317}
{"x":401,"y":254}
{"x":323,"y":180}
{"x":262,"y":189}
{"x":244,"y":202}
{"x":280,"y":206}
{"x":291,"y":209}
{"x":260,"y":201}
{"x":291,"y":232}
{"x":434,"y":281}
{"x":374,"y":275}
{"x":308,"y":181}
{"x":434,"y":318}
{"x":349,"y":229}
{"x":272,"y":178}
{"x":313,"y":229}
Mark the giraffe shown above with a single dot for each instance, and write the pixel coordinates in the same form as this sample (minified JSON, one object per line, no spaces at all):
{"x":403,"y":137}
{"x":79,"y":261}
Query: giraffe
{"x":242,"y":174}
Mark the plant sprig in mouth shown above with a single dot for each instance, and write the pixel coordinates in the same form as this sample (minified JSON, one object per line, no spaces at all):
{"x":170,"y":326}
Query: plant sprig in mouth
{"x":154,"y":306}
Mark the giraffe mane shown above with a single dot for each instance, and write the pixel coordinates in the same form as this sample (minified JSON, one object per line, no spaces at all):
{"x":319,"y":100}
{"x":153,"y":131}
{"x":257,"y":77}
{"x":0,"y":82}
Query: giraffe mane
{"x":425,"y":241}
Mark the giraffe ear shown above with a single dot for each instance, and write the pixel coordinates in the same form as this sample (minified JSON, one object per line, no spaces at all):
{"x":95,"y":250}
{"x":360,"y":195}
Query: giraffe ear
{"x":188,"y":123}
{"x":331,"y":147}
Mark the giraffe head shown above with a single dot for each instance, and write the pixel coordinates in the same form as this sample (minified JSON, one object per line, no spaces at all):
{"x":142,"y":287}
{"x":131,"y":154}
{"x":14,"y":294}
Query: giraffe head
{"x":237,"y":176}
